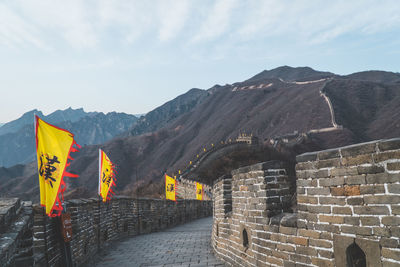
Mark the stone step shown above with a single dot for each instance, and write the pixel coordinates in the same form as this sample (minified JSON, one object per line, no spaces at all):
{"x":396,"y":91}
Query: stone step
{"x":9,"y":209}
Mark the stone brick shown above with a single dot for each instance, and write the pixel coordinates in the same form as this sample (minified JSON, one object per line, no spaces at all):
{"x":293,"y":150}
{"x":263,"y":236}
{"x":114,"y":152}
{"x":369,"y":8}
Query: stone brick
{"x":370,"y":169}
{"x":355,"y":201}
{"x":382,"y":178}
{"x":300,"y":259}
{"x":334,"y":181}
{"x":329,"y":154}
{"x":337,"y":191}
{"x":320,"y":243}
{"x":344,"y":171}
{"x":394,"y":188}
{"x":331,"y":219}
{"x":352,"y":190}
{"x":322,"y":174}
{"x":383,"y":231}
{"x":396,"y":209}
{"x":386,"y":156}
{"x":307,"y":199}
{"x":342,"y":210}
{"x":287,"y":230}
{"x":356,"y":230}
{"x":284,"y":247}
{"x":393,"y":166}
{"x":370,"y":221}
{"x":322,"y":262}
{"x":305,"y":166}
{"x":372,"y":189}
{"x":326,"y":254}
{"x":352,"y":220}
{"x":318,"y":191}
{"x":319,"y":209}
{"x":389,"y":242}
{"x":358,"y":149}
{"x":391,"y":254}
{"x":309,"y":233}
{"x":372,"y":210}
{"x":382,"y":199}
{"x":389,"y":144}
{"x":391,"y":220}
{"x":309,"y":251}
{"x":332,"y":200}
{"x":298,"y":240}
{"x":357,"y":160}
{"x":325,"y":228}
{"x":327,"y":163}
{"x":355,"y":180}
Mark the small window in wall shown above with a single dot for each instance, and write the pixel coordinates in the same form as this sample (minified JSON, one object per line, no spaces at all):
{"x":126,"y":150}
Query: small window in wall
{"x":245,"y":239}
{"x":355,"y":256}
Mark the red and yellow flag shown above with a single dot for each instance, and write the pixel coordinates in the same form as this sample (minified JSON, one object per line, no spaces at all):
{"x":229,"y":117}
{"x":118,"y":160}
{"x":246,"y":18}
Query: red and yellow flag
{"x":106,"y":176}
{"x":170,"y":188}
{"x":53,"y":146}
{"x":199,"y":191}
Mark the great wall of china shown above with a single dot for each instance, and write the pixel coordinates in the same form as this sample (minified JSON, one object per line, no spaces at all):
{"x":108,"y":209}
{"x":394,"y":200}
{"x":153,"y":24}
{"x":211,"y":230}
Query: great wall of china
{"x":346,"y":210}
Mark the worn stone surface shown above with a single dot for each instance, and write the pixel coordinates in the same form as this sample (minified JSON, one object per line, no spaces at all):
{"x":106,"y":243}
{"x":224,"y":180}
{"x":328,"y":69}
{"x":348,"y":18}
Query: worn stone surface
{"x":184,"y":245}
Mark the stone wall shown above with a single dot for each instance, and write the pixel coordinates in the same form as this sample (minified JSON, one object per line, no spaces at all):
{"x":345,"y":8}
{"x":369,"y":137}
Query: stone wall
{"x":186,"y":189}
{"x":348,"y":202}
{"x":94,"y":223}
{"x":15,"y":232}
{"x":28,"y":237}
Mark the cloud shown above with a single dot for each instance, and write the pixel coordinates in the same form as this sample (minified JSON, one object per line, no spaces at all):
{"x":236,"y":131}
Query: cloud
{"x":173,"y":15}
{"x":14,"y":31}
{"x":217,"y":22}
{"x":85,"y":24}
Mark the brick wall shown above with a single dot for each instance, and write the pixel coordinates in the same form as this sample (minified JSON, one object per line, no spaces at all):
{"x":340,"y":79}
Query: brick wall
{"x":186,"y":189}
{"x":346,"y":197}
{"x":94,"y":223}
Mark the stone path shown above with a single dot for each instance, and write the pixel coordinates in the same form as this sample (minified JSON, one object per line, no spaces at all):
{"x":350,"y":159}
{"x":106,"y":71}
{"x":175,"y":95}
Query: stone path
{"x":184,"y":245}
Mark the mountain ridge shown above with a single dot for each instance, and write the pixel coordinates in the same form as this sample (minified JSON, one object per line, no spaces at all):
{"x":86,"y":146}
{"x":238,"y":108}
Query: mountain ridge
{"x":267,"y":108}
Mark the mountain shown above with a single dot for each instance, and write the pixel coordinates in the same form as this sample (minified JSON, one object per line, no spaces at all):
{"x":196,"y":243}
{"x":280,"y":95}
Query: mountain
{"x":290,"y":74}
{"x":164,"y":114}
{"x":272,"y":107}
{"x":375,"y":76}
{"x":18,"y":124}
{"x":92,"y":128}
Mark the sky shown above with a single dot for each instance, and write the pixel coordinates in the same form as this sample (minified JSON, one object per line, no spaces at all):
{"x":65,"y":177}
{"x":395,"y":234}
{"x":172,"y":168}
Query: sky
{"x":132,"y":56}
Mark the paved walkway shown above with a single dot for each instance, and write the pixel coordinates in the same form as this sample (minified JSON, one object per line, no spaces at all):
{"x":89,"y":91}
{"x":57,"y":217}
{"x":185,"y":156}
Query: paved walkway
{"x":184,"y":245}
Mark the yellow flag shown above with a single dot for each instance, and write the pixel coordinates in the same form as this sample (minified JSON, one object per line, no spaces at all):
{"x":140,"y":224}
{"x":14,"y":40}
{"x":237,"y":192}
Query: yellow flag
{"x":199,"y":191}
{"x":170,"y":188}
{"x":53,"y":146}
{"x":106,"y":176}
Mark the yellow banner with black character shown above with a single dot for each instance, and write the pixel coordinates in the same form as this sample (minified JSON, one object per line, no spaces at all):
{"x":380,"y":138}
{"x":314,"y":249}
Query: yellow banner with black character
{"x":170,"y":188}
{"x":53,"y":146}
{"x":199,"y":191}
{"x":106,"y":176}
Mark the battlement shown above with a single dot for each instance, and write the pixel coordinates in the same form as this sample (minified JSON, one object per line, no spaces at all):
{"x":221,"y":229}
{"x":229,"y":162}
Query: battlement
{"x":347,"y":210}
{"x":35,"y":239}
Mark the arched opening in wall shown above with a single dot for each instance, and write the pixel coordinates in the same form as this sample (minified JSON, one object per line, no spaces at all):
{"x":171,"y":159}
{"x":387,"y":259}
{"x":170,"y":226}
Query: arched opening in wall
{"x":125,"y":227}
{"x":217,"y":230}
{"x":355,"y":256}
{"x":245,"y":239}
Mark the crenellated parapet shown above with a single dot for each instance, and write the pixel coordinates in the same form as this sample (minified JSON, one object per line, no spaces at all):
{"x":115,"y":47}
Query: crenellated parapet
{"x":28,"y":237}
{"x":348,"y":202}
